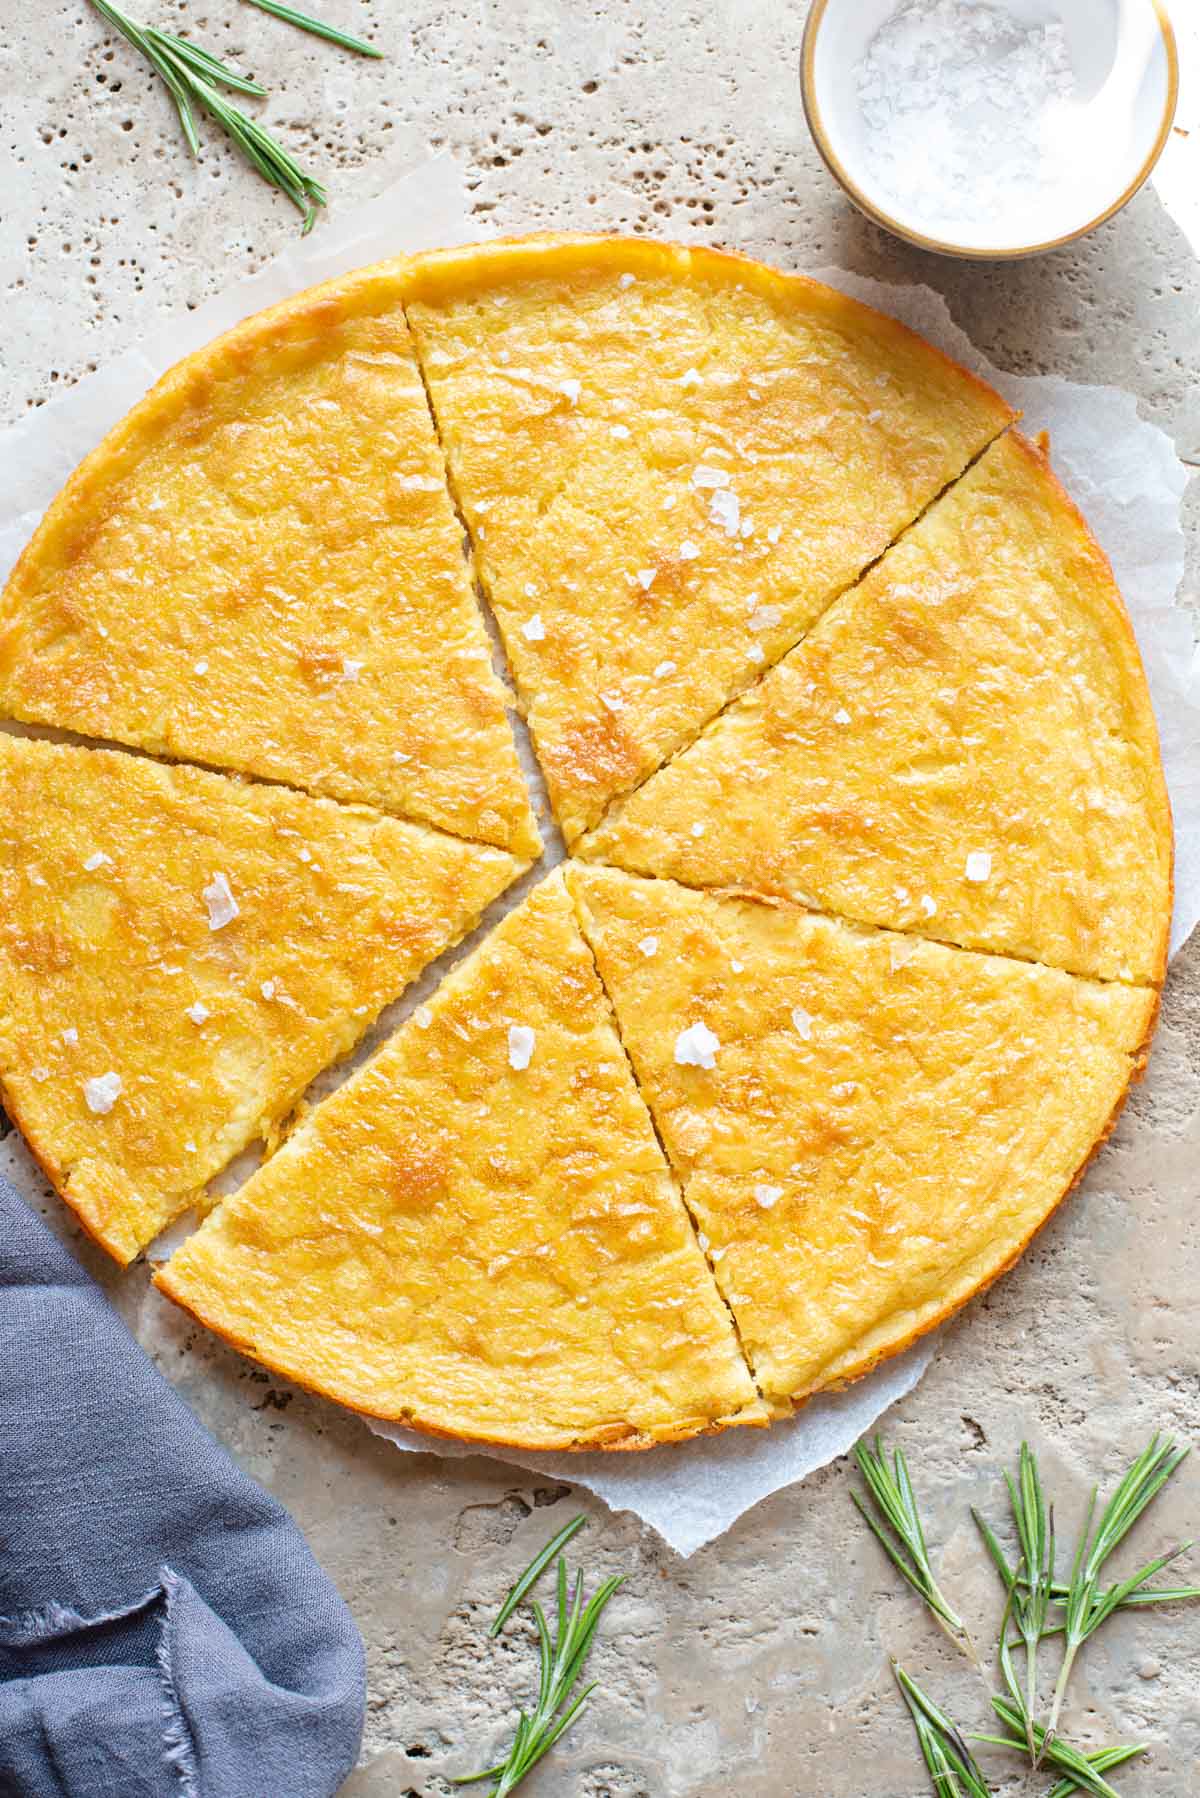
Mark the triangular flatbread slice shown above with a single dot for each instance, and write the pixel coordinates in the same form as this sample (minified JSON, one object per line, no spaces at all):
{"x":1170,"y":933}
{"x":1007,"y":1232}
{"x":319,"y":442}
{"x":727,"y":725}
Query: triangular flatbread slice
{"x":180,"y":954}
{"x":670,"y":461}
{"x":478,"y":1234}
{"x":260,"y":569}
{"x":963,"y":746}
{"x":869,"y":1127}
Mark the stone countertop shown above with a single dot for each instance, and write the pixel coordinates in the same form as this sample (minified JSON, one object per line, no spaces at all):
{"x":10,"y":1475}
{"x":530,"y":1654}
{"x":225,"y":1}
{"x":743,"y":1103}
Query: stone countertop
{"x":760,"y":1666}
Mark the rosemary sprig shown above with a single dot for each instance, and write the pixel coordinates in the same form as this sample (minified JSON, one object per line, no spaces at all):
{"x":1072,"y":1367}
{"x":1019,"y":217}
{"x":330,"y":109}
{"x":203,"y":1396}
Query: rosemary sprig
{"x":561,"y":1660}
{"x":1084,"y":1770}
{"x":1033,"y":1596}
{"x":1029,"y":1585}
{"x":1086,"y":1606}
{"x":318,"y":27}
{"x":955,"y":1772}
{"x":193,"y":77}
{"x":900,"y":1533}
{"x":951,"y":1764}
{"x":1100,"y":1760}
{"x":535,"y":1570}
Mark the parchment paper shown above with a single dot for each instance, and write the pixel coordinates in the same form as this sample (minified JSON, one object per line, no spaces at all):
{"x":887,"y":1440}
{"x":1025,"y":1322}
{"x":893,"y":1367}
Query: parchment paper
{"x":1129,"y":482}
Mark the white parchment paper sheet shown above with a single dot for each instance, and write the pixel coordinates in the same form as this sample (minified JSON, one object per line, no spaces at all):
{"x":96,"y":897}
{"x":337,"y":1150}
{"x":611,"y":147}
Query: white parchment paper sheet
{"x":1126,"y":477}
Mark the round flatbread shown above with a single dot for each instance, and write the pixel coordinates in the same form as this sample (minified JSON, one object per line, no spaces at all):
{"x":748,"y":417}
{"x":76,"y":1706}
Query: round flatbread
{"x":843,"y":723}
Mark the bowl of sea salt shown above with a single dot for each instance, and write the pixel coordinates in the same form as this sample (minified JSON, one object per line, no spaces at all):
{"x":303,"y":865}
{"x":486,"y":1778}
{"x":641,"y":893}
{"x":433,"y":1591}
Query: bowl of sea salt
{"x":990,"y":128}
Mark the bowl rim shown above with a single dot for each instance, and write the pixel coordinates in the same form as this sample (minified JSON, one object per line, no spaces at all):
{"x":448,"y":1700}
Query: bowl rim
{"x":872,"y":208}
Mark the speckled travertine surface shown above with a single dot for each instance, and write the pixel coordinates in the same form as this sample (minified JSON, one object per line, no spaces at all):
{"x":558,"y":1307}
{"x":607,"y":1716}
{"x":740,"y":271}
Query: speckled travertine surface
{"x":760,"y":1666}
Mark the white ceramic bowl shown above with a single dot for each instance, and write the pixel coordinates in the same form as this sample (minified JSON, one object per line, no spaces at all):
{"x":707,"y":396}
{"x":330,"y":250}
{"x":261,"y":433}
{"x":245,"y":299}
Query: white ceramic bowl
{"x":1114,"y":136}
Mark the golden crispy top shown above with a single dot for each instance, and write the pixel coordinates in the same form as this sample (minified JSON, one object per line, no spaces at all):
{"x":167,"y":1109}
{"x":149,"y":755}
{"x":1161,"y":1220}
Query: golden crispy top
{"x":868,"y":1126}
{"x":674,"y":467}
{"x":963,"y":745}
{"x":670,"y":461}
{"x":478,"y":1234}
{"x":180,"y":954}
{"x":261,"y":569}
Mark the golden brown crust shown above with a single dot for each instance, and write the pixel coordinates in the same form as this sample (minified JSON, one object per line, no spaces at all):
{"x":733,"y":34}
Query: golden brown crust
{"x":476,"y":1248}
{"x":470,"y":1162}
{"x":622,"y":1438}
{"x":849,"y":1376}
{"x":117,"y":958}
{"x":885,"y":1123}
{"x":980,"y":694}
{"x":627,"y":425}
{"x":260,"y":569}
{"x":437,"y":275}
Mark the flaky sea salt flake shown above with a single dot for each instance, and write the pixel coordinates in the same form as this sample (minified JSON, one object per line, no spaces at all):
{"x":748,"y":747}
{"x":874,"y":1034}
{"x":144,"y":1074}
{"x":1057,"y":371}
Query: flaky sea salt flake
{"x":520,"y":1047}
{"x":725,"y":511}
{"x":764,"y":618}
{"x":696,"y":1047}
{"x":102,"y":1093}
{"x":222,"y":906}
{"x":703,"y":476}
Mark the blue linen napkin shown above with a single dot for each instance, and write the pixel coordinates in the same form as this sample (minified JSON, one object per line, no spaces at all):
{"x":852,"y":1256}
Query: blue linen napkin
{"x":164,"y":1629}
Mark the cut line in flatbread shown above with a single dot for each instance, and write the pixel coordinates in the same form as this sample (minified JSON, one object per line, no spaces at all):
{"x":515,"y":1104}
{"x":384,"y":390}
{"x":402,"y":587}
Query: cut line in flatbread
{"x":868,"y":1128}
{"x":181,"y":953}
{"x":260,"y":570}
{"x":670,"y":461}
{"x":478,"y":1234}
{"x":963,"y":746}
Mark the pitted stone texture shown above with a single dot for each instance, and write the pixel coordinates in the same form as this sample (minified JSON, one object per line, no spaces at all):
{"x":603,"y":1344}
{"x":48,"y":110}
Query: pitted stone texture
{"x":760,"y":1666}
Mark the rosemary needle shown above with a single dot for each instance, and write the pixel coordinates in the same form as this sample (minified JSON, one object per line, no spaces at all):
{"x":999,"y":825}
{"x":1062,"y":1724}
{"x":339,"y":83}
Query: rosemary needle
{"x":1100,"y":1760}
{"x":561,"y":1660}
{"x":194,"y":77}
{"x":1086,"y":1607}
{"x":318,"y":27}
{"x":1029,"y":1596}
{"x":1085,"y":1772}
{"x":900,"y":1534}
{"x":951,"y":1764}
{"x":1037,"y":1603}
{"x":534,"y":1571}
